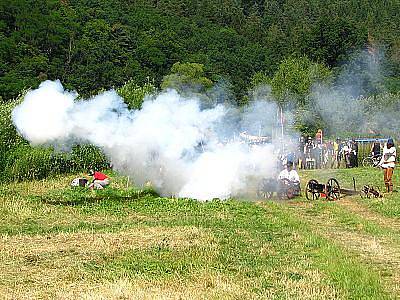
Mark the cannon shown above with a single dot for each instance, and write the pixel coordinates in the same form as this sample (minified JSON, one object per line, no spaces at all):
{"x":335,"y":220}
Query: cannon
{"x":330,"y":190}
{"x":284,"y":189}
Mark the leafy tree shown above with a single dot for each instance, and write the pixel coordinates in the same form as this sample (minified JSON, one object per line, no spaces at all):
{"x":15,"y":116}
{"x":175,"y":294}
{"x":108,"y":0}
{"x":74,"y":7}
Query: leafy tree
{"x":187,"y":76}
{"x":133,"y":94}
{"x":295,"y":77}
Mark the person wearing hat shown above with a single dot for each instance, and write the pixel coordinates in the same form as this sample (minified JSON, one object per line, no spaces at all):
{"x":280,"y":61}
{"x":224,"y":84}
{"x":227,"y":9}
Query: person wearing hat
{"x":100,"y":180}
{"x":387,"y":163}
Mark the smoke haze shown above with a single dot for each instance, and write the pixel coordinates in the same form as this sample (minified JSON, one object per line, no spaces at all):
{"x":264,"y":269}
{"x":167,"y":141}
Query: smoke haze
{"x":357,"y":101}
{"x":171,"y":141}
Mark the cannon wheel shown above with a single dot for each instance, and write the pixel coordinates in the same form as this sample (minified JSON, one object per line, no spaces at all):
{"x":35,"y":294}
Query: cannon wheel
{"x":262,"y":193}
{"x":290,"y":193}
{"x":311,"y":193}
{"x":332,"y":189}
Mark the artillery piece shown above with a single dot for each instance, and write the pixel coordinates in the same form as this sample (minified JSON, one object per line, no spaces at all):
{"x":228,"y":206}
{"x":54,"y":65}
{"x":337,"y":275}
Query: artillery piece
{"x":330,"y":190}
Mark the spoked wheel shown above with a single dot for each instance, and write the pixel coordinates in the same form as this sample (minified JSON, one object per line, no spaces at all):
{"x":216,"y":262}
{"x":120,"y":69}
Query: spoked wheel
{"x":311,"y":190}
{"x":364,"y":193}
{"x":263,"y":191}
{"x":265,"y":195}
{"x":290,"y":193}
{"x":368,"y":162}
{"x":332,"y":189}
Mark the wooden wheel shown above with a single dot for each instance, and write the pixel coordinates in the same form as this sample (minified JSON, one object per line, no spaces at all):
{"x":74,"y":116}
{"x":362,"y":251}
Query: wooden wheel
{"x":263,"y":190}
{"x":312,"y":192}
{"x":332,"y":189}
{"x":290,"y":193}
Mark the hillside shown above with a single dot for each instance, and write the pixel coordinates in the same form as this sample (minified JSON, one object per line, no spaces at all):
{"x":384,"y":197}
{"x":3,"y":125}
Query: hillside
{"x":93,"y":45}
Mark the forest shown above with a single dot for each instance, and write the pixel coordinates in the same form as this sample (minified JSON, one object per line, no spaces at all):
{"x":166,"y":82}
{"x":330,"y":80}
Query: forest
{"x":94,"y":45}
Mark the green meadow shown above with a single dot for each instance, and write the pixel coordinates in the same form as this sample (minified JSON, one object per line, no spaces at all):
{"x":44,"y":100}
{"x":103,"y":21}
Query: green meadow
{"x":129,"y":243}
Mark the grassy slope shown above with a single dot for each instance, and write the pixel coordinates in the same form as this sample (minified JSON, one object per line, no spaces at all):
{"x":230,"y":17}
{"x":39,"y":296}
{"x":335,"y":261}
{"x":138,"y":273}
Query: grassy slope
{"x":129,"y":244}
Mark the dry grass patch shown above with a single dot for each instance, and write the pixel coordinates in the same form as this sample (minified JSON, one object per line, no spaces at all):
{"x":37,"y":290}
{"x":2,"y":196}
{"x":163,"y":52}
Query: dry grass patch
{"x":306,"y":284}
{"x":43,"y":264}
{"x":209,"y":285}
{"x":203,"y":286}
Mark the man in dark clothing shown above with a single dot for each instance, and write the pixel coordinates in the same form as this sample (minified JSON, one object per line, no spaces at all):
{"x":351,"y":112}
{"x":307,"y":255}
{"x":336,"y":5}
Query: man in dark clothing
{"x":354,"y":154}
{"x":376,"y":149}
{"x":339,"y":154}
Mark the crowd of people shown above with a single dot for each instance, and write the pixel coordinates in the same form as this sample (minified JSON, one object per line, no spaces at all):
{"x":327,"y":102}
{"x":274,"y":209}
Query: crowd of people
{"x":316,"y":154}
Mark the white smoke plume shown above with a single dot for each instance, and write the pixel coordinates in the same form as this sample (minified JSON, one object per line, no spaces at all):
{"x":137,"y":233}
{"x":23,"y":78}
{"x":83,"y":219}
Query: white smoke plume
{"x":171,"y":141}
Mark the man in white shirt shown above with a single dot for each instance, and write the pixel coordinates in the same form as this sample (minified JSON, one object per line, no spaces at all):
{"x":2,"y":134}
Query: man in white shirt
{"x":346,"y":150}
{"x":388,"y":163}
{"x":288,"y":179}
{"x":289,"y":174}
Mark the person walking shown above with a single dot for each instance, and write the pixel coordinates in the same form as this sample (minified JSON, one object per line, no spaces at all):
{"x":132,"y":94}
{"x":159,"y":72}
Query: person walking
{"x":387,"y":163}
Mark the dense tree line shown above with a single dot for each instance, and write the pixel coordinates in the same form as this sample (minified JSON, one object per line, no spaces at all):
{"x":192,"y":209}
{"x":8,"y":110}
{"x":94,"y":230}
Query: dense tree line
{"x":95,"y":44}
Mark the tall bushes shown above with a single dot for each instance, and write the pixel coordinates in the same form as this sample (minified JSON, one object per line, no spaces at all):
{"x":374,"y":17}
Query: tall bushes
{"x":20,"y":161}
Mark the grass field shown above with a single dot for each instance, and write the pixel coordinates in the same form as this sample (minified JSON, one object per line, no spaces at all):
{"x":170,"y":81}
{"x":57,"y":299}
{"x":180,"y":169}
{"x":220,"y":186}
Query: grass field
{"x":124,"y":243}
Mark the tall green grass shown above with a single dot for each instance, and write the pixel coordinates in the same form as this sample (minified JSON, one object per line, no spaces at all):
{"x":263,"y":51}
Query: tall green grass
{"x":20,"y":161}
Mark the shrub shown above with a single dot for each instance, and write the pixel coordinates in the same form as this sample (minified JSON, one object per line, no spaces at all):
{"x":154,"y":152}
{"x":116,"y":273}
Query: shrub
{"x":9,"y":138}
{"x":26,"y":162}
{"x":84,"y":157}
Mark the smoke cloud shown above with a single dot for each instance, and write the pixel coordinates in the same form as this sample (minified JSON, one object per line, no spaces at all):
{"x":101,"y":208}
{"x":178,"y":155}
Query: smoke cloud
{"x":171,"y":141}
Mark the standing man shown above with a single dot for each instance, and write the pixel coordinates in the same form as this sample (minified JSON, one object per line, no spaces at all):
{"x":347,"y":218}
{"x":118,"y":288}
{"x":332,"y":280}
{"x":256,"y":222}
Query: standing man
{"x":354,"y":153}
{"x":346,"y":151}
{"x":376,"y":149}
{"x":339,"y":152}
{"x":387,"y":163}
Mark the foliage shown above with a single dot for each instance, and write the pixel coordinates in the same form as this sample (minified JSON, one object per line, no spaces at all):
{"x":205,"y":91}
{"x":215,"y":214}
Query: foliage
{"x":93,"y":45}
{"x":279,"y":49}
{"x":382,"y":111}
{"x":19,"y":161}
{"x":25,"y":162}
{"x":307,"y":120}
{"x":189,"y":79}
{"x":86,"y":156}
{"x":133,"y":94}
{"x":9,"y":138}
{"x":187,"y":76}
{"x":295,"y":77}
